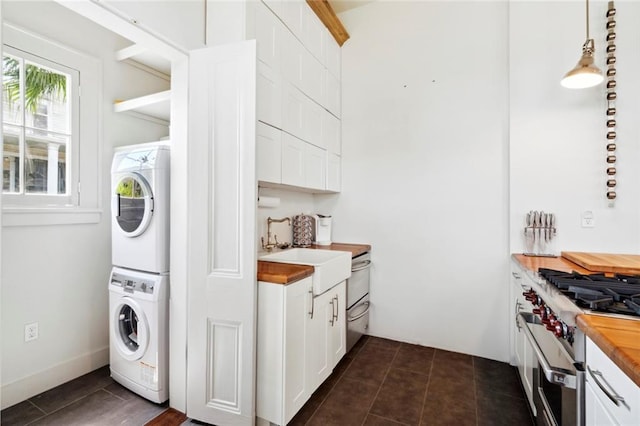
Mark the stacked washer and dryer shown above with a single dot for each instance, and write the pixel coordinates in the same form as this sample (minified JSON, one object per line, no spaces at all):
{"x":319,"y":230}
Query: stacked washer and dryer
{"x":139,"y":282}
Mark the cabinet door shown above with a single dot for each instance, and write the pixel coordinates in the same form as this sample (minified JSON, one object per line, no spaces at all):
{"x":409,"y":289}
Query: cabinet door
{"x":595,"y":412}
{"x":297,"y":308}
{"x":339,"y":325}
{"x":315,"y":167}
{"x":293,"y":15}
{"x":292,"y":57}
{"x":319,"y":355}
{"x":269,"y":101}
{"x":333,"y":96}
{"x":331,"y":133}
{"x":334,"y":173}
{"x":333,"y":55}
{"x":312,"y":83}
{"x":313,"y":117}
{"x":293,"y":164}
{"x":268,"y":33}
{"x":268,"y":154}
{"x":293,"y":110}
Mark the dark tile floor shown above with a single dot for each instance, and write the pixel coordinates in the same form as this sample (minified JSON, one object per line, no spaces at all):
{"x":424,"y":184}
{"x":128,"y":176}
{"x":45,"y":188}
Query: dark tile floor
{"x":383,"y":382}
{"x":380,"y":382}
{"x":92,"y":399}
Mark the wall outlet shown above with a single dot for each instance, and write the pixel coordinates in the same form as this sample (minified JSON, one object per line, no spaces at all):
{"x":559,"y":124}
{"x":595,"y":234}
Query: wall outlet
{"x":31,"y":332}
{"x":588,"y":221}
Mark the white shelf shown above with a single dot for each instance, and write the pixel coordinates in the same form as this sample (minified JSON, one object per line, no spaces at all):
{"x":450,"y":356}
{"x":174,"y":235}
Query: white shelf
{"x":156,"y":105}
{"x":141,"y":57}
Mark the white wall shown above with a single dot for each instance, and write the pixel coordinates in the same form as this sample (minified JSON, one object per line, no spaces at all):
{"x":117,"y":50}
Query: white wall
{"x":58,"y":275}
{"x":557,"y":139}
{"x":424,"y":101}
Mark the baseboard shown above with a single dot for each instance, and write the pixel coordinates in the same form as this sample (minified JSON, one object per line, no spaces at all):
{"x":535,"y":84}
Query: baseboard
{"x":23,"y":389}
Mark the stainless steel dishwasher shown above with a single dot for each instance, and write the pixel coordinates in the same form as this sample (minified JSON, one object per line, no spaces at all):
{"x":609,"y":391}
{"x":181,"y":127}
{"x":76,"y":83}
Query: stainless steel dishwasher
{"x":358,"y":299}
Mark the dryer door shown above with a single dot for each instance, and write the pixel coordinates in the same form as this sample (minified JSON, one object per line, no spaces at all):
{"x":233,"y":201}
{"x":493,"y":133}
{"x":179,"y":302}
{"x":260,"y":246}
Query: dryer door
{"x":130,"y":329}
{"x":132,"y":204}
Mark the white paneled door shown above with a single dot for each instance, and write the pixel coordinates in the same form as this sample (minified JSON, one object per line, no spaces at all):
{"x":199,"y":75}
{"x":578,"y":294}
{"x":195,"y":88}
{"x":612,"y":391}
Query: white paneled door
{"x":221,"y":248}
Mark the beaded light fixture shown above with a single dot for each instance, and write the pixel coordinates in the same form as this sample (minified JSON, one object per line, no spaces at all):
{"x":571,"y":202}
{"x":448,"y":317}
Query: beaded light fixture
{"x":611,"y":104}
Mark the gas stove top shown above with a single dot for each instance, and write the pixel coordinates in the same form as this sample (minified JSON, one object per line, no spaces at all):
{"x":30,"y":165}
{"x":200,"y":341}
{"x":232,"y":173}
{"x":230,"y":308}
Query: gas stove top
{"x":596,"y":293}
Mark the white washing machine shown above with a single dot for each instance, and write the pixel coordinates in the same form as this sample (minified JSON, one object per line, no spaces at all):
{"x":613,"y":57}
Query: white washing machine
{"x":140,"y":179}
{"x":139,"y":332}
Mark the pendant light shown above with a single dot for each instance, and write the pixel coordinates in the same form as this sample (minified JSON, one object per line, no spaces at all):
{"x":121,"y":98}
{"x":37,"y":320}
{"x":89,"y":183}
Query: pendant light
{"x":585,"y":74}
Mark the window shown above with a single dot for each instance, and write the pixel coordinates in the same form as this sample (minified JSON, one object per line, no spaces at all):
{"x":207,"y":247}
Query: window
{"x":39,"y":146}
{"x":48,"y":157}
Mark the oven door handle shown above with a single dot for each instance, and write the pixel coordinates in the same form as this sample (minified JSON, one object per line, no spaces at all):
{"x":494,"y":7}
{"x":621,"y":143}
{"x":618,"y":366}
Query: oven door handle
{"x":361,"y":266}
{"x":361,"y":314}
{"x":557,"y":376}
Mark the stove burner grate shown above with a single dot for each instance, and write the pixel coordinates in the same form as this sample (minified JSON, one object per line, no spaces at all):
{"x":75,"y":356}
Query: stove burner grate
{"x":618,"y":294}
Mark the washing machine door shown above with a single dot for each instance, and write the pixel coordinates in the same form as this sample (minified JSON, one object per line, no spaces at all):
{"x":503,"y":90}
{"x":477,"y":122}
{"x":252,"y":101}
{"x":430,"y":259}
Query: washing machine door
{"x":130,"y":331}
{"x":132,"y":204}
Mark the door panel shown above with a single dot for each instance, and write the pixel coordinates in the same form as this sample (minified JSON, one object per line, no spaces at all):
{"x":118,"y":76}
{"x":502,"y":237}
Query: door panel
{"x":221,"y":243}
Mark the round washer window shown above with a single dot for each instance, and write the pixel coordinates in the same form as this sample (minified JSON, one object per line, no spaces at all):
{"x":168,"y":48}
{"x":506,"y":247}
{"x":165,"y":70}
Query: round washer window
{"x":133,"y":204}
{"x":130,"y":329}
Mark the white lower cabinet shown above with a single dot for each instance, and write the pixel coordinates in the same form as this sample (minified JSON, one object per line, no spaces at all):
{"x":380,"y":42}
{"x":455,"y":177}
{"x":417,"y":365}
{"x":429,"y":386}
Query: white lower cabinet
{"x":611,"y":397}
{"x":301,"y":338}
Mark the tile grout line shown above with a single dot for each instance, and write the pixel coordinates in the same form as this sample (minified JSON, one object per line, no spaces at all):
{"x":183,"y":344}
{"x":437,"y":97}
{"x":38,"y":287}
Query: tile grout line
{"x":426,"y":391}
{"x":381,"y":384}
{"x":44,"y":414}
{"x":337,"y":380}
{"x":64,"y":406}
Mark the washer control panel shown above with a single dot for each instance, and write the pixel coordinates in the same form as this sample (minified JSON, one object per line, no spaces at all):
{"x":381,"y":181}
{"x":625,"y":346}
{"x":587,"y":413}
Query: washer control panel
{"x":130,"y":284}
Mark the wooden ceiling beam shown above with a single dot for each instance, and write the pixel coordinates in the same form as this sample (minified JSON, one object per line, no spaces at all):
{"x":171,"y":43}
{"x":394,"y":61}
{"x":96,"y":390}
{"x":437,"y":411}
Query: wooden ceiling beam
{"x":325,"y":12}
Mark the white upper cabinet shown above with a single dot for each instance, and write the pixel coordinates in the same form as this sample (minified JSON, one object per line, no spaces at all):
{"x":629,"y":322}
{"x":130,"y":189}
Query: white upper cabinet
{"x":269,"y":101}
{"x":268,"y":33}
{"x":293,"y":14}
{"x":314,"y":35}
{"x":331,"y":133}
{"x":333,"y":56}
{"x":269,"y":153}
{"x":298,"y":85}
{"x":333,"y":95}
{"x":294,"y":109}
{"x":179,"y":22}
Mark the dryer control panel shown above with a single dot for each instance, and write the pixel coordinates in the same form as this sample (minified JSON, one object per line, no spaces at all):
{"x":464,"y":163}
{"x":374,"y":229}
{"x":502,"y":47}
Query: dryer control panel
{"x":130,"y":284}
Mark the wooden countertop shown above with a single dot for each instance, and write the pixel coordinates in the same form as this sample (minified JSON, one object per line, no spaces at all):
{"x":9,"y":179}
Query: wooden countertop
{"x":355,"y":249}
{"x":287,"y":273}
{"x":558,"y":263}
{"x":618,"y":338}
{"x":283,"y":273}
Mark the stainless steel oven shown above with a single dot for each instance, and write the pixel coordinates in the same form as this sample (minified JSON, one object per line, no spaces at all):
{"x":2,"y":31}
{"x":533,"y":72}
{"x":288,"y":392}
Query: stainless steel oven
{"x":358,"y":299}
{"x":558,"y":379}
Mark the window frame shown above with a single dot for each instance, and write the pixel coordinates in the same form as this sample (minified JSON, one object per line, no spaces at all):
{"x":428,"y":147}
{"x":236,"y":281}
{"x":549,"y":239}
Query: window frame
{"x":69,"y":199}
{"x":83,"y":202}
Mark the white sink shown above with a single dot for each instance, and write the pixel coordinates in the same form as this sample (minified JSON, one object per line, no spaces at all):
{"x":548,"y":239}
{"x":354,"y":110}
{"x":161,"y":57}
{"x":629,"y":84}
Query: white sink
{"x":330,"y":266}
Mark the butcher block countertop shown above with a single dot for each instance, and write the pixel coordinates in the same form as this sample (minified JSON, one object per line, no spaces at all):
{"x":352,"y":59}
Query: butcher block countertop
{"x":355,"y":249}
{"x":618,"y":338}
{"x":287,"y":273}
{"x":558,"y":263}
{"x":282,"y":273}
{"x":606,"y":262}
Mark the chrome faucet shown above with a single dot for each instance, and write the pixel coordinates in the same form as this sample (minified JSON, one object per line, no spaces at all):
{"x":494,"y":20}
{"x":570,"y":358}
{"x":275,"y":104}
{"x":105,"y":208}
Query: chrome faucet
{"x":269,"y":244}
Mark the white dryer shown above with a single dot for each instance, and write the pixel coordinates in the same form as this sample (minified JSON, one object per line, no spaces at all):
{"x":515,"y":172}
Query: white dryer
{"x":139,"y":332}
{"x":140,"y":179}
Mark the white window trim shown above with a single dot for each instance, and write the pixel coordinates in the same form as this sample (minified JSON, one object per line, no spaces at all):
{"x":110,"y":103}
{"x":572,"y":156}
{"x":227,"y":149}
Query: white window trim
{"x":88,"y":208}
